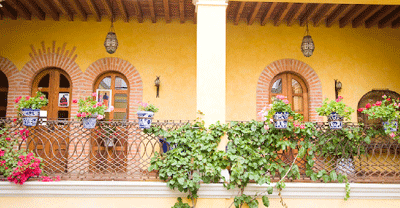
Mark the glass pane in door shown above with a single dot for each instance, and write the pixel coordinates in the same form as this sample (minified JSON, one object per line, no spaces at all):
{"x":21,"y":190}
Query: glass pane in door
{"x":277,"y":86}
{"x":296,"y":87}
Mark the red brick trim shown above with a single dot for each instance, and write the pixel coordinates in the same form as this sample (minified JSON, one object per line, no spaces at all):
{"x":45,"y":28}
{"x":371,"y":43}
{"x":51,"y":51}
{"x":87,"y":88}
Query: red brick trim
{"x":14,"y":80}
{"x":51,"y":57}
{"x":103,"y":65}
{"x":290,"y":65}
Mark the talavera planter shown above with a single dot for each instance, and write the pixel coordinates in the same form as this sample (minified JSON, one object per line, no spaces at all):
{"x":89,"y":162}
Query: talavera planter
{"x":30,"y":116}
{"x":145,"y":118}
{"x":281,"y":119}
{"x":335,"y":121}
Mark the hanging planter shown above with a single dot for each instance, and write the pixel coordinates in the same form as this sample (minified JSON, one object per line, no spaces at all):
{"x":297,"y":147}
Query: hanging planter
{"x":145,"y":118}
{"x":335,"y":121}
{"x":30,"y":116}
{"x":393,"y":124}
{"x":281,"y":120}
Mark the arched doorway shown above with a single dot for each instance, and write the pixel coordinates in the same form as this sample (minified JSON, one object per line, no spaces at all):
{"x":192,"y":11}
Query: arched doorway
{"x":3,"y":94}
{"x":56,"y":85}
{"x":294,"y":88}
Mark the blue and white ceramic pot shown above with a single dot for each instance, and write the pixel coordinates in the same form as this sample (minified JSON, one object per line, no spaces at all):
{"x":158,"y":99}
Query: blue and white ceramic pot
{"x":335,"y":121}
{"x":345,"y":166}
{"x":281,"y":119}
{"x":394,"y":125}
{"x":89,"y":122}
{"x":145,"y":118}
{"x":30,"y":116}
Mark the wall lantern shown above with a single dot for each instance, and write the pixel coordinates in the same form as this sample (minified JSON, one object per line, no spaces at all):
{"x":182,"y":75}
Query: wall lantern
{"x":157,"y":84}
{"x":307,"y":46}
{"x":338,"y":87}
{"x":111,"y":42}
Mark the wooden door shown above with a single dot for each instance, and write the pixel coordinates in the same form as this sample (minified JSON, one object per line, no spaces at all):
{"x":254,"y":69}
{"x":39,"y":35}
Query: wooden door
{"x":3,"y":94}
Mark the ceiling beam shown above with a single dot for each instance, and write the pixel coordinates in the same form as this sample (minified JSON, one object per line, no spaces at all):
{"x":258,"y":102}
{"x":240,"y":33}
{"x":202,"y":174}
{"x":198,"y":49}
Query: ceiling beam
{"x":21,"y":9}
{"x":386,"y":21}
{"x":152,"y":12}
{"x":139,"y":12}
{"x":35,"y":9}
{"x":79,"y":9}
{"x":1,"y":15}
{"x":323,"y":13}
{"x":379,"y":15}
{"x":122,"y":9}
{"x":107,"y":5}
{"x":240,"y":11}
{"x":365,"y":15}
{"x":166,"y":11}
{"x":285,"y":8}
{"x":354,"y":12}
{"x":270,"y":8}
{"x":64,"y":10}
{"x":49,"y":8}
{"x":311,"y":11}
{"x":9,"y":11}
{"x":396,"y":23}
{"x":253,"y":14}
{"x":295,"y":14}
{"x":94,"y":9}
{"x":182,"y":11}
{"x":337,"y":14}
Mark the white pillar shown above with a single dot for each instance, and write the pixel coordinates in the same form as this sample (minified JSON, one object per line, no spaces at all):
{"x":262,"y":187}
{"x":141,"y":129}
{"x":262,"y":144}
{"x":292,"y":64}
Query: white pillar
{"x":211,"y":59}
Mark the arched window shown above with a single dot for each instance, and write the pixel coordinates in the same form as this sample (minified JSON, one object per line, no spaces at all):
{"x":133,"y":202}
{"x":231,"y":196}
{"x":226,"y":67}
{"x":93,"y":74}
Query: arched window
{"x":56,"y":85}
{"x":3,"y":94}
{"x":113,"y":89}
{"x":294,"y":88}
{"x":371,"y":97}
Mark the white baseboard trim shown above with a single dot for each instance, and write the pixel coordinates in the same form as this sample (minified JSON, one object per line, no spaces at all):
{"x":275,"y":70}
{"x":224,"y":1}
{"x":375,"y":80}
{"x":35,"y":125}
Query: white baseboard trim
{"x":160,"y":189}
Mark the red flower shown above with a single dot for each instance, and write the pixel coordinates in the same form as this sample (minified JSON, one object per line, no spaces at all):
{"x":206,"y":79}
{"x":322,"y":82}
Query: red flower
{"x":75,"y":101}
{"x":378,"y":103}
{"x":388,"y":99}
{"x":361,"y":109}
{"x":368,"y":106}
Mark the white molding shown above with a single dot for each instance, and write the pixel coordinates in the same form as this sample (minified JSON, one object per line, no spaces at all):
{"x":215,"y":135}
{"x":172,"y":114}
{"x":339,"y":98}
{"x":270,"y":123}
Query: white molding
{"x":160,"y":189}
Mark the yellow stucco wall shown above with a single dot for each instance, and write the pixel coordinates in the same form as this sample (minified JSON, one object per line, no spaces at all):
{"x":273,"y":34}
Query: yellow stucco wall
{"x":362,"y":59}
{"x":17,"y":202}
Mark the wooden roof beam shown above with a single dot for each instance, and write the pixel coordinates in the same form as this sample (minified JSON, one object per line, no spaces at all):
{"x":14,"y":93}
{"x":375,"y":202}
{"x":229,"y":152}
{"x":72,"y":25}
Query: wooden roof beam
{"x":122,"y":9}
{"x":49,"y":8}
{"x":253,"y":14}
{"x":167,"y":16}
{"x":389,"y":18}
{"x":79,"y":9}
{"x":396,"y":23}
{"x":1,"y":14}
{"x":109,"y":8}
{"x":64,"y":10}
{"x":38,"y":12}
{"x":21,"y":9}
{"x":379,"y":15}
{"x":94,"y":9}
{"x":365,"y":15}
{"x":354,"y":12}
{"x":324,"y":12}
{"x":138,"y":9}
{"x":9,"y":11}
{"x":337,"y":14}
{"x":285,"y":8}
{"x":182,"y":11}
{"x":240,"y":11}
{"x":295,"y":14}
{"x":152,"y":12}
{"x":270,"y":8}
{"x":311,"y":11}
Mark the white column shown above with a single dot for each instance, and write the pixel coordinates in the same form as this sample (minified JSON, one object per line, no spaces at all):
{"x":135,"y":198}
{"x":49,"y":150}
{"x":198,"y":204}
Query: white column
{"x":211,"y":59}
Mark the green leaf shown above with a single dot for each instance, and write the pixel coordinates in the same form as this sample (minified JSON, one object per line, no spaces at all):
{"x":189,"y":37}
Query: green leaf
{"x":265,"y":201}
{"x":270,"y":189}
{"x":333,"y":175}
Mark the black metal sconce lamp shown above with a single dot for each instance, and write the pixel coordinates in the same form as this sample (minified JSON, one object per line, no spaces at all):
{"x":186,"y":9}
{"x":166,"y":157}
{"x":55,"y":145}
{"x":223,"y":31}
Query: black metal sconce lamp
{"x":157,"y":84}
{"x":338,"y":87}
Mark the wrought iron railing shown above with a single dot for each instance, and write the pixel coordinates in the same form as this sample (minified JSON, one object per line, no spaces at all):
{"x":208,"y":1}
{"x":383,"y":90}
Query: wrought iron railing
{"x":120,"y":150}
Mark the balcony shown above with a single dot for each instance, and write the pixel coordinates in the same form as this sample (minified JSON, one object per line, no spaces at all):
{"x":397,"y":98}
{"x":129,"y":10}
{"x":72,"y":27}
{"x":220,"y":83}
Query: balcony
{"x":121,"y":151}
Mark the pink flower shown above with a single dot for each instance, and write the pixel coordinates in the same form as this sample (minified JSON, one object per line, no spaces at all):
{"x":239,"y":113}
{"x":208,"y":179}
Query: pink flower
{"x":383,"y":96}
{"x":99,"y":104}
{"x":94,"y":94}
{"x":286,"y":101}
{"x":78,"y":115}
{"x":27,"y":97}
{"x":392,"y":134}
{"x":263,"y":118}
{"x":388,"y":99}
{"x":302,"y":126}
{"x":15,"y":120}
{"x":83,"y":114}
{"x":296,"y":125}
{"x":144,"y":105}
{"x":75,"y":101}
{"x":1,"y":153}
{"x":266,"y":127}
{"x":41,"y":97}
{"x":111,"y":108}
{"x":18,"y":99}
{"x":368,"y":106}
{"x":99,"y":117}
{"x":8,"y":138}
{"x":378,"y":103}
{"x":361,"y":110}
{"x":281,"y":97}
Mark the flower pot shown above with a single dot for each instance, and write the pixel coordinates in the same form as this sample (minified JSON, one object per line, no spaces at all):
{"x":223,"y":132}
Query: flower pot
{"x":30,"y":116}
{"x":89,"y":122}
{"x":281,"y":119}
{"x":345,"y":166}
{"x":394,"y":123}
{"x":145,"y":118}
{"x":335,"y":121}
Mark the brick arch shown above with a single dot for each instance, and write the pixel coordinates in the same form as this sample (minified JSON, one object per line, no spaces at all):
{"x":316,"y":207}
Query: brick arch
{"x":297,"y":67}
{"x":104,"y":65}
{"x":14,"y":81}
{"x":45,"y":58}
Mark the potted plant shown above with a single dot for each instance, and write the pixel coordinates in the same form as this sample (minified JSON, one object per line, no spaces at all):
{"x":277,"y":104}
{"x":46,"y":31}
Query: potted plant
{"x":278,"y":112}
{"x":145,"y":114}
{"x":387,"y":110}
{"x":335,"y":110}
{"x":30,"y":107}
{"x":90,"y":110}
